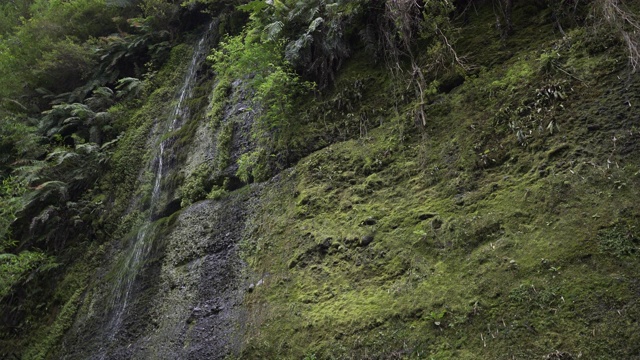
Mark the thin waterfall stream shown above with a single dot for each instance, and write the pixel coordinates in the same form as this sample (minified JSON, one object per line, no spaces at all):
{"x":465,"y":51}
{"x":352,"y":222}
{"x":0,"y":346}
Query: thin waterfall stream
{"x":141,"y":244}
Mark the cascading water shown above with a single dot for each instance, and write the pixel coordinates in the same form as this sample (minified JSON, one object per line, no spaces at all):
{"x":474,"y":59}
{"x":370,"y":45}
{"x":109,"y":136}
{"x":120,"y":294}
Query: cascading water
{"x":141,"y":244}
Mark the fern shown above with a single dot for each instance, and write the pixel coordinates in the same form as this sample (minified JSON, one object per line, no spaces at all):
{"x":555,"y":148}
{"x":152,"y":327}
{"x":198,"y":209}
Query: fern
{"x":316,"y":42}
{"x":129,"y":88}
{"x":273,"y":30}
{"x":30,"y":173}
{"x":315,"y":24}
{"x":120,"y":3}
{"x":16,"y":269}
{"x":101,"y":99}
{"x":41,"y":219}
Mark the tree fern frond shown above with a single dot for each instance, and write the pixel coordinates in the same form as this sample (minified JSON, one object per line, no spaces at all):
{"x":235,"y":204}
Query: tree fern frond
{"x":273,"y":30}
{"x":8,"y":257}
{"x":87,"y":149}
{"x":101,"y":98}
{"x":102,"y":118}
{"x":315,"y":24}
{"x":42,"y":217}
{"x":120,"y":3}
{"x":109,"y":144}
{"x":47,"y":192}
{"x":292,"y":51}
{"x":81,"y":110}
{"x":129,"y":87}
{"x":74,"y":120}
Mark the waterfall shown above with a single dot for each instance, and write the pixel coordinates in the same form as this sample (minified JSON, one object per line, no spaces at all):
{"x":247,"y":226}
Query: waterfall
{"x":140,"y":245}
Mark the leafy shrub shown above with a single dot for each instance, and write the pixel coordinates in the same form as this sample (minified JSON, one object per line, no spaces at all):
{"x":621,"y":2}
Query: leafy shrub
{"x":195,"y":186}
{"x":252,"y":166}
{"x":276,"y":88}
{"x":15,"y":269}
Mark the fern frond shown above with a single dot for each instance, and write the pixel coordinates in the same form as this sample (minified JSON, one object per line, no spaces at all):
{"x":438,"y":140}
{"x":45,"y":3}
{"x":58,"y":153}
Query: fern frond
{"x":102,"y":118}
{"x":129,"y":87}
{"x":273,"y":30}
{"x":292,"y":51}
{"x":42,"y":217}
{"x":120,"y":3}
{"x":61,"y":155}
{"x":315,"y":24}
{"x":87,"y":149}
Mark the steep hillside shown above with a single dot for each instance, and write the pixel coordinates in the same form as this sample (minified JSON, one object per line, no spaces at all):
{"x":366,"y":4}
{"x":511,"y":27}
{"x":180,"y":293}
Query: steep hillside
{"x":506,"y":228}
{"x":333,"y":180}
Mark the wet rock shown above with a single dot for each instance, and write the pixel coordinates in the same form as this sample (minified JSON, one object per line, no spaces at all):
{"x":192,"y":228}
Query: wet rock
{"x":593,"y":127}
{"x":366,"y":240}
{"x":169,"y":209}
{"x":325,"y":245}
{"x":426,"y":216}
{"x":369,"y":221}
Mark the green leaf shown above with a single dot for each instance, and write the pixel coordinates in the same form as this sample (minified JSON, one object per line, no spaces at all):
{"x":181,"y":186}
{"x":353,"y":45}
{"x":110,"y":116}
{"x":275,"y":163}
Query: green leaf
{"x":254,"y":6}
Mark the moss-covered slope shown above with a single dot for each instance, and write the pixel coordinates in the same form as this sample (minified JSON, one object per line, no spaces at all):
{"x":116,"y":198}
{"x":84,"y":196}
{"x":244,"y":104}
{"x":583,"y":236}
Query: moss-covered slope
{"x":488,"y":213}
{"x":507,"y":228}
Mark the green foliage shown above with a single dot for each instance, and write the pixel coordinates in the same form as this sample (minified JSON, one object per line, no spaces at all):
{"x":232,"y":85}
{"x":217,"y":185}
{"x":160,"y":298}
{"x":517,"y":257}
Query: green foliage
{"x":252,"y":166}
{"x":129,"y":88}
{"x":217,"y":193}
{"x":54,"y":202}
{"x":11,"y":13}
{"x":45,"y":50}
{"x":195,"y":186}
{"x":219,"y":100}
{"x":315,"y":33}
{"x":276,"y":86}
{"x":254,"y":6}
{"x":619,"y":241}
{"x":18,"y":269}
{"x":159,"y":14}
{"x":223,"y":145}
{"x":17,"y":140}
{"x":40,"y":350}
{"x":124,"y":54}
{"x":276,"y":95}
{"x":66,"y":66}
{"x":10,"y":192}
{"x":215,"y":6}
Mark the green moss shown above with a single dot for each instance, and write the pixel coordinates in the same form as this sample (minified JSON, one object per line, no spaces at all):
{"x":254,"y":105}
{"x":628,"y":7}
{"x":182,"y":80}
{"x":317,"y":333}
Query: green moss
{"x":219,"y":101}
{"x":477,"y":246}
{"x":40,"y":349}
{"x":133,"y":150}
{"x":514,"y":77}
{"x":619,"y":240}
{"x":196,"y":186}
{"x":223,"y":145}
{"x":217,"y":193}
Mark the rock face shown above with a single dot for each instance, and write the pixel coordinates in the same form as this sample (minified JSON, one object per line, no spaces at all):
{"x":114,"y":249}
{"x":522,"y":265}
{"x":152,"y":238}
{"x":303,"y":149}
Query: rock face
{"x":180,"y":296}
{"x":186,"y":301}
{"x":196,"y":308}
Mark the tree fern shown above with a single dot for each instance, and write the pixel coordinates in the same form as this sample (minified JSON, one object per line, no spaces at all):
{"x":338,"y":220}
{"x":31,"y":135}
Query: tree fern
{"x":273,"y":30}
{"x":129,"y":87}
{"x":101,"y":99}
{"x":49,"y":192}
{"x":30,"y":171}
{"x":120,"y":3}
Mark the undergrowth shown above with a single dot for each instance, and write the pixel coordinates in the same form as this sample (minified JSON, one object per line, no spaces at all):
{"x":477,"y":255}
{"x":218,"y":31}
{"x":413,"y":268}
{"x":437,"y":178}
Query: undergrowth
{"x":505,"y":228}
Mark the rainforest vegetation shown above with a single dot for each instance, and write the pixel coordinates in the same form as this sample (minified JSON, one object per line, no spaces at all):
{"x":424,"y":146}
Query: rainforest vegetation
{"x":437,"y":179}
